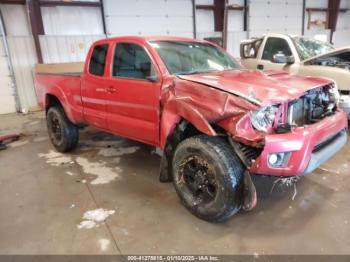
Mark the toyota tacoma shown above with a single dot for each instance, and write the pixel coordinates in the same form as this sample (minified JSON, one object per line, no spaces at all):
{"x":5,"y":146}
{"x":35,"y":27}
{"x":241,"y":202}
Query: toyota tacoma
{"x":216,"y":123}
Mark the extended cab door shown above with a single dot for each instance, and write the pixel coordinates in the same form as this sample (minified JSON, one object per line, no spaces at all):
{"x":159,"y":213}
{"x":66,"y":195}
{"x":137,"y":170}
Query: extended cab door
{"x":133,"y":93}
{"x":249,"y":53}
{"x":93,"y":86}
{"x":276,"y":45}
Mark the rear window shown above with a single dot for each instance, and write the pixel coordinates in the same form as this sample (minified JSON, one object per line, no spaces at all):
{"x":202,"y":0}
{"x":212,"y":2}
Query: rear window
{"x":98,"y":60}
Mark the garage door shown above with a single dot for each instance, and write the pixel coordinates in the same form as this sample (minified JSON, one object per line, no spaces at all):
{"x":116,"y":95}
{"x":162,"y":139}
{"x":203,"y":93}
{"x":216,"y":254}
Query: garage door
{"x":278,"y":16}
{"x":7,"y":98}
{"x":22,"y":51}
{"x":151,"y":17}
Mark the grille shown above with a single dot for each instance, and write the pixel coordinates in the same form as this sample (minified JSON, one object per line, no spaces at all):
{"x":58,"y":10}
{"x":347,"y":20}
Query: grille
{"x":311,"y":108}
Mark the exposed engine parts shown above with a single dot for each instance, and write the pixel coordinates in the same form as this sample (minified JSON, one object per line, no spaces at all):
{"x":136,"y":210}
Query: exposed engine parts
{"x":315,"y":105}
{"x":341,"y":60}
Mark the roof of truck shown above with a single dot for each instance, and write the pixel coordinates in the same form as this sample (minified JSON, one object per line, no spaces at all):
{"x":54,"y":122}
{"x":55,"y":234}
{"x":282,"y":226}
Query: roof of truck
{"x":252,"y":39}
{"x":152,"y":38}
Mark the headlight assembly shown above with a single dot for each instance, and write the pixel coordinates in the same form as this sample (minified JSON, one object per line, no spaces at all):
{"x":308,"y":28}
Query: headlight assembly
{"x":334,"y":96}
{"x":263,"y":119}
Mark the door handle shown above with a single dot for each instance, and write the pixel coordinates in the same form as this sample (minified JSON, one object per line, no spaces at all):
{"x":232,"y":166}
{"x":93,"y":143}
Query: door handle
{"x":111,"y":89}
{"x":260,"y":67}
{"x":99,"y":89}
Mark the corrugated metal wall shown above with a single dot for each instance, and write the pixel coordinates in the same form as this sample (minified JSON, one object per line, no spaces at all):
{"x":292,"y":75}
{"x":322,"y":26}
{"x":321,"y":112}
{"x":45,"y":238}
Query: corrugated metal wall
{"x":7,"y":91}
{"x":151,"y":17}
{"x":70,"y":30}
{"x":69,"y":20}
{"x":278,"y":16}
{"x":342,"y":35}
{"x":65,"y":39}
{"x":61,"y":49}
{"x":23,"y":59}
{"x":22,"y":53}
{"x":235,"y":25}
{"x":235,"y":28}
{"x":317,"y":31}
{"x":69,"y":33}
{"x":204,"y":19}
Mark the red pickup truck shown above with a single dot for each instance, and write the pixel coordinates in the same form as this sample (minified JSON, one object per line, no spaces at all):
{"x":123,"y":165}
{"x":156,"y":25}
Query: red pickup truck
{"x":216,"y":123}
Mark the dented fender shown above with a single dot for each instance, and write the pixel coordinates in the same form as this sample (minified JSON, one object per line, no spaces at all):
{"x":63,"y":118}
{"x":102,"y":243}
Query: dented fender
{"x":177,"y":108}
{"x":241,"y":130}
{"x":183,"y":99}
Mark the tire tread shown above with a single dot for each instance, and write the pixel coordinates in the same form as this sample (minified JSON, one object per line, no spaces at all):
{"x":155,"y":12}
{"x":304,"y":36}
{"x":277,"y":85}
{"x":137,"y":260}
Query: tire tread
{"x":232,"y":164}
{"x":71,"y":131}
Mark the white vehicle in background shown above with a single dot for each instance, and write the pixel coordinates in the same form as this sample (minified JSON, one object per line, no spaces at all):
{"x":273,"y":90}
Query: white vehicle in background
{"x":300,"y":55}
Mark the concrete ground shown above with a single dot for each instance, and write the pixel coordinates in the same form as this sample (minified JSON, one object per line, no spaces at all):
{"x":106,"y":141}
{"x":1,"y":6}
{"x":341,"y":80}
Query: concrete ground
{"x":45,"y":198}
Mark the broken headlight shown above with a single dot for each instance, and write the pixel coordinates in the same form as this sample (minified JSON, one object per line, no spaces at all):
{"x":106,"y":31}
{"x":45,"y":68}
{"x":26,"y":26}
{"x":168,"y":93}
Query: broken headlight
{"x":263,"y":119}
{"x":334,"y":97}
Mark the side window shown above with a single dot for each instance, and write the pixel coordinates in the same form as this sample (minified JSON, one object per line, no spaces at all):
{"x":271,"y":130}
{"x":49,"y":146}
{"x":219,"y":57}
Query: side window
{"x":132,"y":61}
{"x":250,"y":50}
{"x":275,"y":46}
{"x":98,"y":60}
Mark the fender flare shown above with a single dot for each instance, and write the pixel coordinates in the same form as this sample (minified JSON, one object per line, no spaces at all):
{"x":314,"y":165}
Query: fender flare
{"x":62,"y":98}
{"x":175,"y":110}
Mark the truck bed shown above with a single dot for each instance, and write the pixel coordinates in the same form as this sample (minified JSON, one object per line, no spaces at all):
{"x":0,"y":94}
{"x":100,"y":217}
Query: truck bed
{"x":75,"y":68}
{"x":62,"y":81}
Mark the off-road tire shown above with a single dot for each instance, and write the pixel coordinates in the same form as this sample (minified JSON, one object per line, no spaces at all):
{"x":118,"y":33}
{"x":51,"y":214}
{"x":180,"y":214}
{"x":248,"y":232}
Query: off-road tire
{"x":67,"y":137}
{"x":225,"y":166}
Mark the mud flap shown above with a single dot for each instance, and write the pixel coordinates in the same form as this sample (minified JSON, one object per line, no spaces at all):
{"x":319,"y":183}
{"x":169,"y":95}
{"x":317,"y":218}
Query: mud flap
{"x":249,"y":199}
{"x":165,"y":172}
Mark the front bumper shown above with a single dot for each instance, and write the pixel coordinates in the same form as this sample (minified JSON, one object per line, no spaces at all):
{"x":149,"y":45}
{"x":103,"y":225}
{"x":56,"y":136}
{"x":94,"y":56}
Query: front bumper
{"x":309,"y":147}
{"x":344,"y":103}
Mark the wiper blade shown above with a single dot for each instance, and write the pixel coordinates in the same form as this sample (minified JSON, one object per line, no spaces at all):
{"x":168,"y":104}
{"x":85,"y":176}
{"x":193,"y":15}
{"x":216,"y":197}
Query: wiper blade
{"x":194,"y":72}
{"x":189,"y":73}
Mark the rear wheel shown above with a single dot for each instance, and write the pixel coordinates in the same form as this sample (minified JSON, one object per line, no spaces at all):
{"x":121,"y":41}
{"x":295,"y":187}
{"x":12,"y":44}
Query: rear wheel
{"x":208,"y":177}
{"x":63,"y":134}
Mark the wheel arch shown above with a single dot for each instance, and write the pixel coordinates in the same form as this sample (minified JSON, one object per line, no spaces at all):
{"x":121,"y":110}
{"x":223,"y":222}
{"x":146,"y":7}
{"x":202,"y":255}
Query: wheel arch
{"x":179,"y":121}
{"x":52,"y":99}
{"x":178,"y":111}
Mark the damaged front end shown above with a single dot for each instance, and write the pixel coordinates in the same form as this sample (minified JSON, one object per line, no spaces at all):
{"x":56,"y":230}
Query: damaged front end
{"x":334,"y":65}
{"x":288,"y":139}
{"x":314,"y":106}
{"x":291,"y":138}
{"x":279,"y":133}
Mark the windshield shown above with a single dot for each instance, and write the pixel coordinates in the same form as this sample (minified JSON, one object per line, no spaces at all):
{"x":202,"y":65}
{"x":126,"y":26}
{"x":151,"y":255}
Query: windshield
{"x":184,"y":58}
{"x":307,"y":47}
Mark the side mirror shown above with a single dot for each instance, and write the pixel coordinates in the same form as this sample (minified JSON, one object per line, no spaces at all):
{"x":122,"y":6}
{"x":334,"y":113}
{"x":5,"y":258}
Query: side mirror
{"x":152,"y":78}
{"x":283,"y":59}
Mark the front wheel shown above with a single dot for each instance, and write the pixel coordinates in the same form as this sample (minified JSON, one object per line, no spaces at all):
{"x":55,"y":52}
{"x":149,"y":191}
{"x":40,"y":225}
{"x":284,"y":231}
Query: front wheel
{"x":63,"y":134}
{"x":208,"y":177}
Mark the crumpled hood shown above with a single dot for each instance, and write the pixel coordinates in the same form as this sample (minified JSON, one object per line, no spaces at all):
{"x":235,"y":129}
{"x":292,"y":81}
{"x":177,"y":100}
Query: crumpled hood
{"x":259,"y":87}
{"x":338,"y":51}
